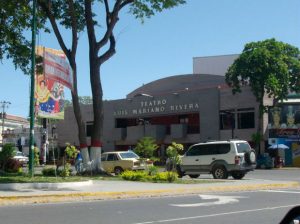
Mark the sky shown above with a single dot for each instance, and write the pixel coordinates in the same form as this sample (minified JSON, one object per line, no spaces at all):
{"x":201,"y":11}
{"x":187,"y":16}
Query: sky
{"x":165,"y":45}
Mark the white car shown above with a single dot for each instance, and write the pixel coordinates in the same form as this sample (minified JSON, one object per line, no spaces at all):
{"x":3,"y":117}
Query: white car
{"x":220,"y":158}
{"x":21,"y":158}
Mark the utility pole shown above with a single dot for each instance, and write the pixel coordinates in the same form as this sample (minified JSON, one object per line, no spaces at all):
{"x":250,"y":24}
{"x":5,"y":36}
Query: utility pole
{"x":31,"y":135}
{"x":4,"y":104}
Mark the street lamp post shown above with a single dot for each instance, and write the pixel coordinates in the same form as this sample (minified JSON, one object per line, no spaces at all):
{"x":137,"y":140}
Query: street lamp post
{"x":232,"y":121}
{"x":4,"y":104}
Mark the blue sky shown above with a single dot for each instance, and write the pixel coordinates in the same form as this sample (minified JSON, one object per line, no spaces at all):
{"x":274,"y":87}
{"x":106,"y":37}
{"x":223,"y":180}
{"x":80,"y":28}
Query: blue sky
{"x":166,"y":44}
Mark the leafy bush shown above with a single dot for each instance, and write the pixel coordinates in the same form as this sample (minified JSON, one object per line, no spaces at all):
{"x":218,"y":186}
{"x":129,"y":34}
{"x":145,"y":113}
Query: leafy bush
{"x":165,"y":176}
{"x":144,"y":175}
{"x":49,"y":172}
{"x":66,"y":171}
{"x":36,"y":158}
{"x":145,"y":147}
{"x":71,"y":151}
{"x":152,"y":170}
{"x":173,"y":154}
{"x":8,"y":152}
{"x":134,"y":175}
{"x":13,"y":166}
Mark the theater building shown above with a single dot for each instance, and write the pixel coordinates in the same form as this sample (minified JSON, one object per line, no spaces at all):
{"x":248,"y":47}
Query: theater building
{"x":186,"y":109}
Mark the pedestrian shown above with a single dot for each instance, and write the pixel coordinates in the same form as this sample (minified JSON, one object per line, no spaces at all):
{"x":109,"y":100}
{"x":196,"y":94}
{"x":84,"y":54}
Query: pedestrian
{"x":78,"y":162}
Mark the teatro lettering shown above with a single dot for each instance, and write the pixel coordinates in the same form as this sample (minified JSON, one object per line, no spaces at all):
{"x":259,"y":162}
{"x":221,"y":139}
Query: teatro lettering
{"x":157,"y":106}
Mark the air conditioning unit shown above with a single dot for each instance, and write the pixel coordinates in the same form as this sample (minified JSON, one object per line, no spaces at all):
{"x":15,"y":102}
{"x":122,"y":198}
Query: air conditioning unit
{"x":272,"y":141}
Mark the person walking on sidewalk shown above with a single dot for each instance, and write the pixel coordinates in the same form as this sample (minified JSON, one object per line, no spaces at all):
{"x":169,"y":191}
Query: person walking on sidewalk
{"x":78,"y":162}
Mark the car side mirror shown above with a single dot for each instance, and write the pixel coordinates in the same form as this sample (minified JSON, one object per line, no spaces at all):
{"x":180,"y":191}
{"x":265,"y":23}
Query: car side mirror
{"x":292,"y":217}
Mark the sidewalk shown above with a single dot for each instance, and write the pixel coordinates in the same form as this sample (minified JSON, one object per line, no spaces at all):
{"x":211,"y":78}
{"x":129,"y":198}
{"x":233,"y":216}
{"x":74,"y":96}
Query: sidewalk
{"x":16,"y":194}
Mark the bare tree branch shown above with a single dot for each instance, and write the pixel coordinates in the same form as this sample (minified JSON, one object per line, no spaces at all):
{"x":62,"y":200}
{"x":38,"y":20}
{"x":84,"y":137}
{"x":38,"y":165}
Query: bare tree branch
{"x":74,"y":27}
{"x":111,"y":20}
{"x":90,"y":22}
{"x":46,"y":6}
{"x":110,"y":52}
{"x":126,"y":2}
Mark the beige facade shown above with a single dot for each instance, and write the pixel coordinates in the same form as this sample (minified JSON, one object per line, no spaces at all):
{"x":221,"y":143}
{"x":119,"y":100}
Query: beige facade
{"x":184,"y":108}
{"x":121,"y":129}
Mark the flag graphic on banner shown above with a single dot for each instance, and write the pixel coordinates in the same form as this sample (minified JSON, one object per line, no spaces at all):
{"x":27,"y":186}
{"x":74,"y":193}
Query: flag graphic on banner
{"x":49,"y":86}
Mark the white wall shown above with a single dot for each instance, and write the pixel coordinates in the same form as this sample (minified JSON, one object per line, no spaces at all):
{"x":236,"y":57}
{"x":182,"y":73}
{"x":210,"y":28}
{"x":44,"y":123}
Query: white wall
{"x":213,"y":65}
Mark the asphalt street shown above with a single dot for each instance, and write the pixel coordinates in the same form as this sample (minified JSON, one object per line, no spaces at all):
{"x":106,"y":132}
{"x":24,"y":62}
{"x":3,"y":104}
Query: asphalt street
{"x":243,"y":207}
{"x":263,"y":206}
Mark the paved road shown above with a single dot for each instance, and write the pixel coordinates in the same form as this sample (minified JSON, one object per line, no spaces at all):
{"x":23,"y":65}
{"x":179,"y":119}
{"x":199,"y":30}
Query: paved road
{"x":288,"y":174}
{"x":227,"y":207}
{"x":243,"y":207}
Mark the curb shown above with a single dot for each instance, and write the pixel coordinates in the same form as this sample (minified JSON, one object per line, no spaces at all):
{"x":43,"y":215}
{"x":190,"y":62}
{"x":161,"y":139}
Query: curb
{"x":90,"y":196}
{"x":50,"y":186}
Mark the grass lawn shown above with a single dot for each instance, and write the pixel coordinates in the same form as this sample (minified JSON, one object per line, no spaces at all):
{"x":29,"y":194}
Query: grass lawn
{"x":39,"y":178}
{"x":15,"y":178}
{"x":43,"y":179}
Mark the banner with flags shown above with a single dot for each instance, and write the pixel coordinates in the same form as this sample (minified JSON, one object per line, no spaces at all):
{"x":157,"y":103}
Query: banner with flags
{"x":49,"y":85}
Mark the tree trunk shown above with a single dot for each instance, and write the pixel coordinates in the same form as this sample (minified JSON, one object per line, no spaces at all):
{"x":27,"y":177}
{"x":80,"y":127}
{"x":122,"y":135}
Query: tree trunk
{"x":78,"y":117}
{"x":260,"y":124}
{"x":97,"y":92}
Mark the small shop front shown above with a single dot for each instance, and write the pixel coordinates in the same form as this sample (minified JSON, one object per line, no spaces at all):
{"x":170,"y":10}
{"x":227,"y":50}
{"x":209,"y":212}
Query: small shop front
{"x":284,"y":129}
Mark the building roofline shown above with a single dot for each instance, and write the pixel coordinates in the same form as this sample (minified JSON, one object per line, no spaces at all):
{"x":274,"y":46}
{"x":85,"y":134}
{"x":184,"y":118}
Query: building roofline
{"x":215,"y":56}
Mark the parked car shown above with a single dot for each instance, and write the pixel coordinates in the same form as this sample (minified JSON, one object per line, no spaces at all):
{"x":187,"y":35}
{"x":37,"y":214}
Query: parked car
{"x":21,"y":158}
{"x":117,"y":162}
{"x":220,"y":158}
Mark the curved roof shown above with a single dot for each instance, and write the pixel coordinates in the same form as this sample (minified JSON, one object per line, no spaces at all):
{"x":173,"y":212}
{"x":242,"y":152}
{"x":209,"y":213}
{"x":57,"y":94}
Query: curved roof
{"x":179,"y":83}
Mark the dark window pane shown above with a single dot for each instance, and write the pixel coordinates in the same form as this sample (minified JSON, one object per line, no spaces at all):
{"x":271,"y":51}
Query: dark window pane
{"x":110,"y":157}
{"x":89,"y":129}
{"x":223,"y":148}
{"x":246,"y":120}
{"x":194,"y":151}
{"x":227,"y":120}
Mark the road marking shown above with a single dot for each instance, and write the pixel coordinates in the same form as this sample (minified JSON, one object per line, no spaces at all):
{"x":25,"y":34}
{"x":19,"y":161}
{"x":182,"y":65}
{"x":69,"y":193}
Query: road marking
{"x":277,"y":191}
{"x":220,"y":200}
{"x":217,"y":214}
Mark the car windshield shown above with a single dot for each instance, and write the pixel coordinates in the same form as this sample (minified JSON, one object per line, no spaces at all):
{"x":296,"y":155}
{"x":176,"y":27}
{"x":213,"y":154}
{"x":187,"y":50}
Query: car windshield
{"x":242,"y":147}
{"x":129,"y":155}
{"x":19,"y":154}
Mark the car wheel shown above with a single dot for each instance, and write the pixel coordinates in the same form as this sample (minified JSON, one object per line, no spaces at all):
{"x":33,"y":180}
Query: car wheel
{"x":250,"y":157}
{"x":219,"y":172}
{"x":118,"y":170}
{"x":194,"y":175}
{"x":238,"y":175}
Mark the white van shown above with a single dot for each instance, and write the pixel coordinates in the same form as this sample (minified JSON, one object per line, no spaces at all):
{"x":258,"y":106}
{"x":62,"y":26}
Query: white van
{"x":220,"y":158}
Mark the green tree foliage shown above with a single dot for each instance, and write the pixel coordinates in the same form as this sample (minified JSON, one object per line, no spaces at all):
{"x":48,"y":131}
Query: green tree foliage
{"x":15,"y":20}
{"x":173,"y":153}
{"x":82,"y":100}
{"x":36,"y":156}
{"x":97,"y":17}
{"x":257,"y":138}
{"x":146,"y":147}
{"x":71,"y":151}
{"x":8,"y":152}
{"x":269,"y":67}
